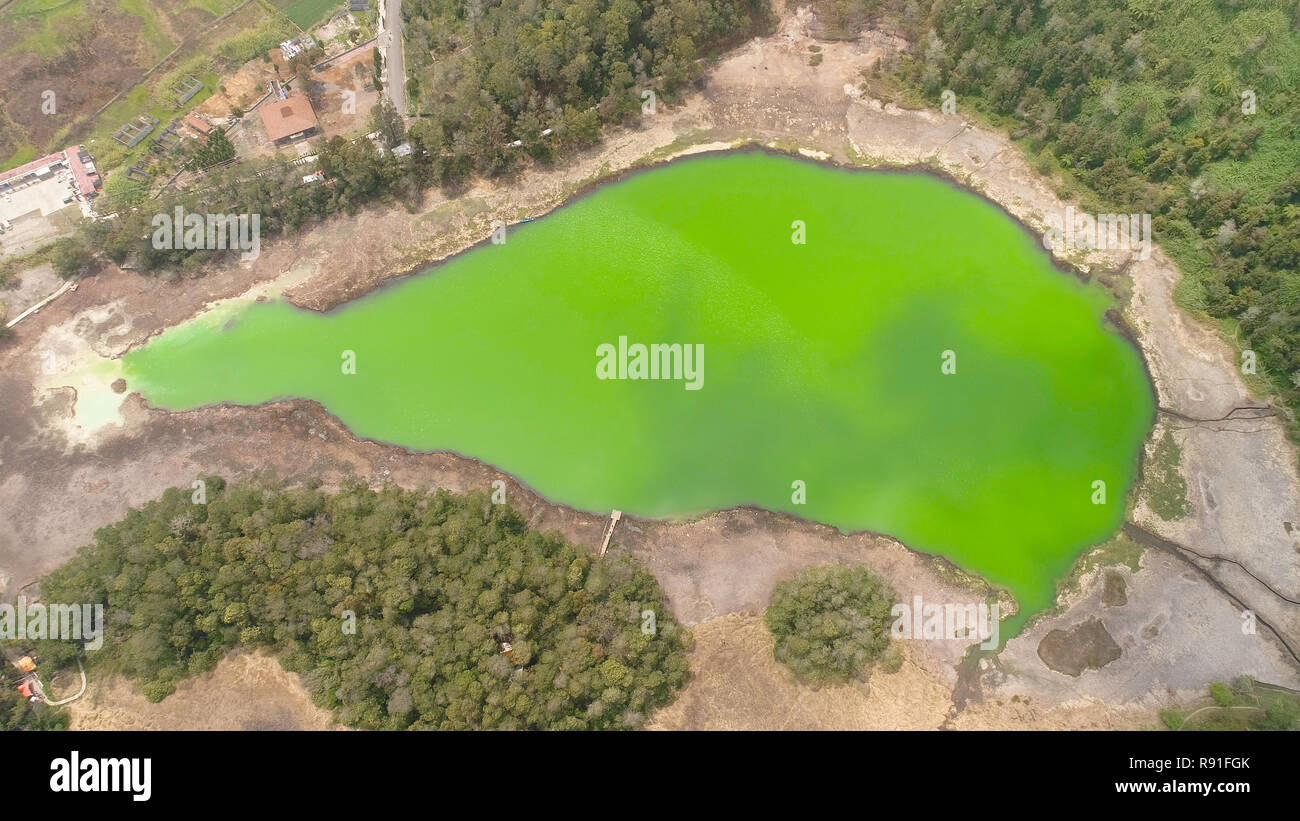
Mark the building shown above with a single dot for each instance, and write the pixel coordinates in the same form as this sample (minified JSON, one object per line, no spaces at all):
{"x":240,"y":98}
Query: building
{"x":200,"y":125}
{"x":34,"y":171}
{"x":296,"y":46}
{"x":83,"y":171}
{"x":289,"y":119}
{"x":75,"y":160}
{"x":358,"y":5}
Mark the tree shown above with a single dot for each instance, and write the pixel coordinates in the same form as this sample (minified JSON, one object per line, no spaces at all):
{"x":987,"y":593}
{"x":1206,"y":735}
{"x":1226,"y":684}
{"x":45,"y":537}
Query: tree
{"x":124,"y":192}
{"x":830,"y":624}
{"x":17,"y":713}
{"x":385,"y":119}
{"x":465,"y":618}
{"x":217,"y":149}
{"x":70,"y":257}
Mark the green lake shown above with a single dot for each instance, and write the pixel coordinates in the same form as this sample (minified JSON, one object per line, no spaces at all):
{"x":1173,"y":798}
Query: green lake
{"x":822,"y":362}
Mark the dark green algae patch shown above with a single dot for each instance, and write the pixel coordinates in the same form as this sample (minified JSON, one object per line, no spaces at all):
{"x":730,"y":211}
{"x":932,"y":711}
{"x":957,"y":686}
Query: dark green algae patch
{"x":821,"y":363}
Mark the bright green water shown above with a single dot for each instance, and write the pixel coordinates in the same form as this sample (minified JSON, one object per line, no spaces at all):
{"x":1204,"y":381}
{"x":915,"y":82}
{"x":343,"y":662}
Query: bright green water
{"x":822,"y":362}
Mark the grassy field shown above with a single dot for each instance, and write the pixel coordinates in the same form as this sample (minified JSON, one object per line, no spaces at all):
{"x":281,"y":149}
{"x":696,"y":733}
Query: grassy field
{"x":1245,"y":704}
{"x":51,"y":25}
{"x":307,"y":13}
{"x":241,"y":37}
{"x":144,"y":31}
{"x":154,"y":36}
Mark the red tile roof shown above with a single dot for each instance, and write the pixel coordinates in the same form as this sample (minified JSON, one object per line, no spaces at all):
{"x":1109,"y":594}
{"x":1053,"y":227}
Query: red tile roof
{"x":27,"y":168}
{"x":284,"y":118}
{"x":86,"y":179}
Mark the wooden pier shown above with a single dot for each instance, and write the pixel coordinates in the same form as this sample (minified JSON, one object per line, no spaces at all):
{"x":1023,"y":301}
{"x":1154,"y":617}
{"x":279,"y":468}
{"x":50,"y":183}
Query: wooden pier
{"x":609,"y":531}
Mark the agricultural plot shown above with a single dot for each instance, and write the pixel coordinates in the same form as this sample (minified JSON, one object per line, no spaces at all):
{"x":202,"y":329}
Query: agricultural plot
{"x":78,"y":70}
{"x":307,"y":13}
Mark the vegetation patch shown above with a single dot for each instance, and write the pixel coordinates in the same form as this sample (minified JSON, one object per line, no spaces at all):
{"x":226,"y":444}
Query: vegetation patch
{"x":401,"y":609}
{"x":1117,"y":552}
{"x":1246,"y":704}
{"x":831,"y":624}
{"x":17,"y":713}
{"x":307,"y":13}
{"x":1163,"y":485}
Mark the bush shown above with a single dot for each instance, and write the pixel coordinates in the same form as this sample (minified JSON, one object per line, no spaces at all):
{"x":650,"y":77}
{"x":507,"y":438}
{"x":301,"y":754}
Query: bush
{"x":70,"y":257}
{"x":17,"y":713}
{"x":831,"y":624}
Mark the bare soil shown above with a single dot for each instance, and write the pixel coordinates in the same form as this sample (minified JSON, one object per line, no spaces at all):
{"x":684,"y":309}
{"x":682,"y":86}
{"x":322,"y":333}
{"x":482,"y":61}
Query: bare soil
{"x":239,"y":90}
{"x":738,"y":685}
{"x":104,"y":57}
{"x":336,"y":79}
{"x":245,"y":691}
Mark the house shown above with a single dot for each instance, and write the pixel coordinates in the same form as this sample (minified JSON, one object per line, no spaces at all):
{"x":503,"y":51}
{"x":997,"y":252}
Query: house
{"x":358,"y":5}
{"x":34,"y":171}
{"x":84,"y":172}
{"x":289,"y":119}
{"x":294,"y":47}
{"x":74,"y":159}
{"x":201,"y":126}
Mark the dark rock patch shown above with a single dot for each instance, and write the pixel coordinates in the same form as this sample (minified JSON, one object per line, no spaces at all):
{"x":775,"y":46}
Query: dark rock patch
{"x":1086,"y":646}
{"x":1114,"y":593}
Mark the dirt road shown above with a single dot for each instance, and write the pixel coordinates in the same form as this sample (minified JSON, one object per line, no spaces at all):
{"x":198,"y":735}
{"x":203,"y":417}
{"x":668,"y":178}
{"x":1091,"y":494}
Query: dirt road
{"x":390,"y":43}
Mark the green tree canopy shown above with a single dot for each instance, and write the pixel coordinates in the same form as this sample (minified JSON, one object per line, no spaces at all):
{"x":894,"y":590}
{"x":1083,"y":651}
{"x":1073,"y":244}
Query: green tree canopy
{"x":402,"y":609}
{"x":831,"y":623}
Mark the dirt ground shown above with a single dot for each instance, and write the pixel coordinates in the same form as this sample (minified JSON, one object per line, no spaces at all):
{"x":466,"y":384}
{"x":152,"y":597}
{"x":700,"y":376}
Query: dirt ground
{"x":240,"y":90}
{"x":338,"y":114}
{"x":738,"y":685}
{"x":245,"y":691}
{"x":1179,"y":628}
{"x":36,"y":284}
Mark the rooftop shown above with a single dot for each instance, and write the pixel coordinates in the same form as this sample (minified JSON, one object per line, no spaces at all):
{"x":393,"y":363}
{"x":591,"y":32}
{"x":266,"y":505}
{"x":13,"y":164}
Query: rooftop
{"x":284,"y":118}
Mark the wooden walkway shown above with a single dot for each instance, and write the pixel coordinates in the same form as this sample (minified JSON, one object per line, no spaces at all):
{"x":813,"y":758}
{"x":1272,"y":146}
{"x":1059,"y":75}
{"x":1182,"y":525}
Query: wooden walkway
{"x":609,"y":531}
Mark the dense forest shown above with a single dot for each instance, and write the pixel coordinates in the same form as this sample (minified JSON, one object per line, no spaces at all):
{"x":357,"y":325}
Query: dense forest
{"x":491,"y":73}
{"x":831,"y":624}
{"x":401,"y":609}
{"x":1188,"y":110}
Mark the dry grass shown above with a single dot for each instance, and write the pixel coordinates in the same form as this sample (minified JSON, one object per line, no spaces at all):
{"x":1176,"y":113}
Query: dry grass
{"x":738,"y":685}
